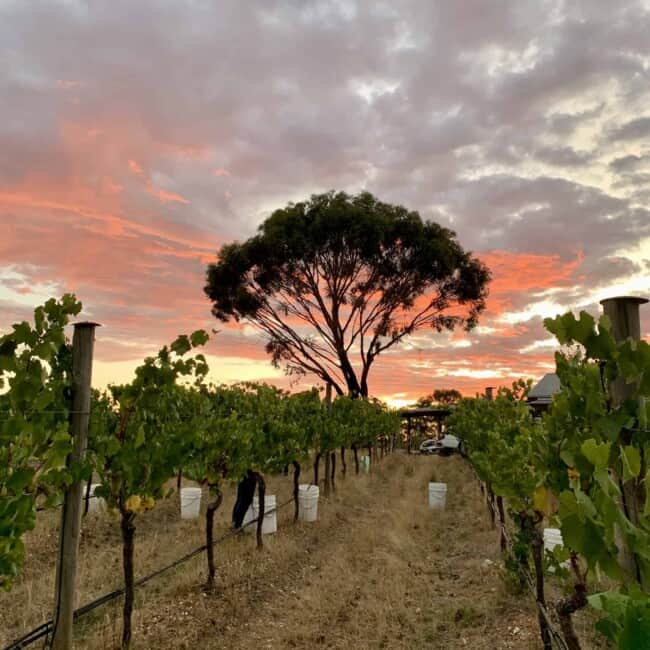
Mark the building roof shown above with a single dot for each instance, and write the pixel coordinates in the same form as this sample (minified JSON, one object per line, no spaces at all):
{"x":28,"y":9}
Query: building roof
{"x":544,"y":389}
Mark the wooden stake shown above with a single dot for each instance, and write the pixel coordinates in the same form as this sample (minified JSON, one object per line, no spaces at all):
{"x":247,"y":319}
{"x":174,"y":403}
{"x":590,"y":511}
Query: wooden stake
{"x":626,"y":324}
{"x":66,"y":570}
{"x":623,"y":313}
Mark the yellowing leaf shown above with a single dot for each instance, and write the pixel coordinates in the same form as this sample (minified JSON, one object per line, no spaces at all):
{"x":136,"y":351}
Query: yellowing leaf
{"x":133,"y":503}
{"x":543,"y":500}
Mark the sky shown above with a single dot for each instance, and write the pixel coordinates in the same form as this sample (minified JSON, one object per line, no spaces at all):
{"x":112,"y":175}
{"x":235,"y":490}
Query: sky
{"x":137,"y":138}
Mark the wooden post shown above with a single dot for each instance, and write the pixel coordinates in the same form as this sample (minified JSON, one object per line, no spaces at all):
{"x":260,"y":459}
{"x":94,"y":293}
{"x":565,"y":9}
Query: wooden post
{"x":623,"y":313}
{"x":66,"y":569}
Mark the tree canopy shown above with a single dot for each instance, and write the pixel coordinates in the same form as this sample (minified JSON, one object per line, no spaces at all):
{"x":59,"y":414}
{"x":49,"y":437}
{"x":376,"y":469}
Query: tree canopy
{"x":441,"y":396}
{"x":336,"y":280}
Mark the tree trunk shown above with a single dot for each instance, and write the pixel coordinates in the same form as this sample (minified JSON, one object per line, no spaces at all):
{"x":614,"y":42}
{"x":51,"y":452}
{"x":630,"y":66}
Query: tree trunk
{"x":567,"y":606}
{"x":261,"y":493}
{"x":538,"y":549}
{"x":356,"y":459}
{"x":354,"y":388}
{"x":490,"y":505}
{"x":333,"y":464}
{"x":316,"y":467}
{"x":128,"y":534}
{"x":502,"y":518}
{"x":328,"y":463}
{"x":285,"y":471}
{"x":370,"y":454}
{"x":364,"y":384}
{"x":209,"y":537}
{"x":408,"y":435}
{"x":344,"y":467}
{"x":296,"y":477}
{"x":87,"y":496}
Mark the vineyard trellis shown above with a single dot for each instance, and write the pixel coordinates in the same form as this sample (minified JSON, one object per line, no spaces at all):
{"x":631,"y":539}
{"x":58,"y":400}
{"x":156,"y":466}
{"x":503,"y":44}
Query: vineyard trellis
{"x":46,"y":629}
{"x":507,"y":545}
{"x":582,"y":468}
{"x":167,"y":420}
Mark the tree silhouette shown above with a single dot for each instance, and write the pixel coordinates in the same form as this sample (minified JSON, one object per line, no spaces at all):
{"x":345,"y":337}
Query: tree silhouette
{"x":441,"y":396}
{"x":336,"y":280}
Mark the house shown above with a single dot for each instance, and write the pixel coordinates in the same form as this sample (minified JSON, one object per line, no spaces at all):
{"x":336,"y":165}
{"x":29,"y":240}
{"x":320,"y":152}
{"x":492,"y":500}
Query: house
{"x":541,"y":394}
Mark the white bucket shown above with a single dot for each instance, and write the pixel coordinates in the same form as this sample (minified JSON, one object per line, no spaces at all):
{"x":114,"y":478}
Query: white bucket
{"x":190,"y":502}
{"x":308,"y":502}
{"x":365,"y":464}
{"x":552,"y":538}
{"x":95,"y":503}
{"x":437,"y":496}
{"x":270,"y":523}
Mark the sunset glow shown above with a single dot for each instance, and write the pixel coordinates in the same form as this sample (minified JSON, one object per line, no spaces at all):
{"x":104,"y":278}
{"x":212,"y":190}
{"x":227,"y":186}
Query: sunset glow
{"x":123,"y":171}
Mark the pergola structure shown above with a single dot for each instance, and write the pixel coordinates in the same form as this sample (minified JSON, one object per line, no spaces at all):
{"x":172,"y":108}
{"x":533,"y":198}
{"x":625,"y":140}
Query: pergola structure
{"x":437,"y":413}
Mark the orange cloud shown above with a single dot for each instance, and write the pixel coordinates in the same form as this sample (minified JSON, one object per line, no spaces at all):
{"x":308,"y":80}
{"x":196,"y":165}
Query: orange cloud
{"x":164,"y":195}
{"x":106,"y":231}
{"x":159,"y":193}
{"x":135,"y":168}
{"x":523,"y":273}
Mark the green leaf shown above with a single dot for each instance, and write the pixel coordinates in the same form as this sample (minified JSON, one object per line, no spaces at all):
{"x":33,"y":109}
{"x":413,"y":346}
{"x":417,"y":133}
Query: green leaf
{"x":20,"y":479}
{"x":140,"y":437}
{"x":568,"y":458}
{"x":610,"y":425}
{"x":631,"y":460}
{"x":596,"y":453}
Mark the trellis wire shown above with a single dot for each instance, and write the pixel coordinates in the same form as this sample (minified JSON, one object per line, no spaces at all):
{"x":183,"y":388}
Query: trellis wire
{"x":530,"y":582}
{"x":45,"y":629}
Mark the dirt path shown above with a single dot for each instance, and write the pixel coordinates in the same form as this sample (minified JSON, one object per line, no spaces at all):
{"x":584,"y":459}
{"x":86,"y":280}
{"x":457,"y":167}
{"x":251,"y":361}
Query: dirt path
{"x":378,"y":570}
{"x":390,"y":573}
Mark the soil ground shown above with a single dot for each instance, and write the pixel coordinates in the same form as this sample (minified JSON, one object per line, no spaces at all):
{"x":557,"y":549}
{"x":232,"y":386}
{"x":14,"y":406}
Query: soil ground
{"x":378,"y":570}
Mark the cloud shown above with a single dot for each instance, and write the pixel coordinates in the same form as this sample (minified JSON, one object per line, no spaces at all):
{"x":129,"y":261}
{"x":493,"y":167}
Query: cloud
{"x":127,"y":156}
{"x":635,"y":129}
{"x":628,"y":163}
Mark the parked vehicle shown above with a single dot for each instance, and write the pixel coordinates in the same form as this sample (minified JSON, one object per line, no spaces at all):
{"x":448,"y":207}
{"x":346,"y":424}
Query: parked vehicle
{"x":448,"y":444}
{"x":430,"y":446}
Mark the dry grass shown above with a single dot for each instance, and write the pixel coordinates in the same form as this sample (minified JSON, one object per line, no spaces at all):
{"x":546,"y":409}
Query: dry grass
{"x":378,"y":570}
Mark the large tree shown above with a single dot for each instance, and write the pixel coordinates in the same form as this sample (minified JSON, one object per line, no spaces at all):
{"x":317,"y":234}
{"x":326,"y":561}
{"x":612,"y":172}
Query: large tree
{"x":336,"y":280}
